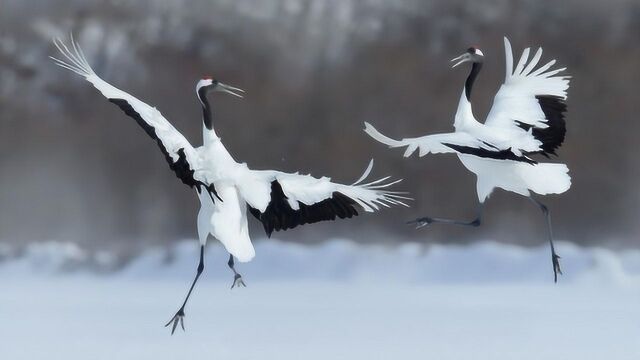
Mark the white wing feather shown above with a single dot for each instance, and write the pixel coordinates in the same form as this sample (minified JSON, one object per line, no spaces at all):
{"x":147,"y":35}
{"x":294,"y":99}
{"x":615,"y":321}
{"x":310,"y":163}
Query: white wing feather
{"x":170,"y":138}
{"x":429,"y":144}
{"x":255,"y":188}
{"x":76,"y":62}
{"x":516,"y":99}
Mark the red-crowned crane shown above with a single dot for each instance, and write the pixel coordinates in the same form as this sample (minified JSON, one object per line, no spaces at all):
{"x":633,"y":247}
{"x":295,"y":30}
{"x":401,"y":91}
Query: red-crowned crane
{"x":227,"y":189}
{"x":527,"y":118}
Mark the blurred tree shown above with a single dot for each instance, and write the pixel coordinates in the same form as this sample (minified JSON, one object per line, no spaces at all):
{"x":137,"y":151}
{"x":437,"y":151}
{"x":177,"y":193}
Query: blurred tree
{"x":73,"y":167}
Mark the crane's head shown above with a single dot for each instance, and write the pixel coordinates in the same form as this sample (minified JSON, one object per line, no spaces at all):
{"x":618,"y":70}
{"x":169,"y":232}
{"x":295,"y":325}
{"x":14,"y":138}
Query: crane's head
{"x":473,"y":54}
{"x":208,"y":83}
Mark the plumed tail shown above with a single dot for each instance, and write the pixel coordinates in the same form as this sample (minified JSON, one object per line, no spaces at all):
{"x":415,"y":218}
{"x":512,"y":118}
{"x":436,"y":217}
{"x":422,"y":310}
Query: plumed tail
{"x":546,"y":178}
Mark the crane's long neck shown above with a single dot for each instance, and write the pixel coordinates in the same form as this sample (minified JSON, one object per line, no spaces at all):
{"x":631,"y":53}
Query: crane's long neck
{"x":208,"y":133}
{"x":464,"y":115}
{"x":468,"y":85}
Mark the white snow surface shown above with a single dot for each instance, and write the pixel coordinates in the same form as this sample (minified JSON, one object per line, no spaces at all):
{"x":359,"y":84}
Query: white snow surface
{"x":336,"y":300}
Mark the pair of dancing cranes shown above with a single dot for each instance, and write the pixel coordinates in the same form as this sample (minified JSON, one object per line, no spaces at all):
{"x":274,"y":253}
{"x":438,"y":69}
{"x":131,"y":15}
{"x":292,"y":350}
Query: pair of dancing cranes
{"x":526,"y":119}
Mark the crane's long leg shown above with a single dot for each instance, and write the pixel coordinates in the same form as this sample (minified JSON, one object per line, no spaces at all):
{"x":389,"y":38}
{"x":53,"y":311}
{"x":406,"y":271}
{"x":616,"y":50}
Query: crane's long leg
{"x":555,"y":259}
{"x":425,"y":221}
{"x":237,"y":278}
{"x":179,"y":316}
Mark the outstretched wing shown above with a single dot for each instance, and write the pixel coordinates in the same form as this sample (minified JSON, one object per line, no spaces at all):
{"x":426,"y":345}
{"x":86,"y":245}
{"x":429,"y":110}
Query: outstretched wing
{"x":283,"y":201}
{"x":456,"y":142}
{"x":181,"y":156}
{"x":532,"y":100}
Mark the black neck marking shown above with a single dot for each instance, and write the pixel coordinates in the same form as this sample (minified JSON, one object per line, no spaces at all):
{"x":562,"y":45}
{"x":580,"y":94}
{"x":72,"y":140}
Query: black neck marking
{"x":468,"y":85}
{"x":206,"y":108}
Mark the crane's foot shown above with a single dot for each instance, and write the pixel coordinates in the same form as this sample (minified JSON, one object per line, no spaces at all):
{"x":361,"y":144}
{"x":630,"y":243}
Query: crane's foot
{"x":178,"y":318}
{"x":421,"y":222}
{"x":556,"y":266}
{"x":237,"y":281}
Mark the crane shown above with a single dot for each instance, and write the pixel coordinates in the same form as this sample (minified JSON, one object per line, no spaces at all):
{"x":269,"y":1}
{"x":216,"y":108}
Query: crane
{"x":526,"y":119}
{"x":227,"y":189}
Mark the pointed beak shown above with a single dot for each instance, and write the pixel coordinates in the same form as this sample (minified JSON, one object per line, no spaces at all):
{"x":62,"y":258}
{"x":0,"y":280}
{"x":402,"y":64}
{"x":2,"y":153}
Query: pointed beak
{"x":460,"y":59}
{"x":230,"y":90}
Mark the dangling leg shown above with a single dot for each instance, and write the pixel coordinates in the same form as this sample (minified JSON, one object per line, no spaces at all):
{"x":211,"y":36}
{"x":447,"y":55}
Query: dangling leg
{"x":555,"y":259}
{"x":424,"y":221}
{"x":179,"y":316}
{"x":237,"y":278}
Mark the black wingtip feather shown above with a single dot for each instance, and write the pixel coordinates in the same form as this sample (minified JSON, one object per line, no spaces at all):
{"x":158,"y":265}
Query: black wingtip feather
{"x":490,"y":154}
{"x":552,"y":136}
{"x":280,"y":216}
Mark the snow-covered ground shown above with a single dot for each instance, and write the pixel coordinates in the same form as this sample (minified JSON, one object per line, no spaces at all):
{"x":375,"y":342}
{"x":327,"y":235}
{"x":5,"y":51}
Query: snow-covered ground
{"x":337,"y":300}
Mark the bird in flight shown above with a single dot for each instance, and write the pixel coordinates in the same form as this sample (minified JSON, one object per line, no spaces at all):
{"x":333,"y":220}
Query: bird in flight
{"x":228,"y":189}
{"x":526,"y":119}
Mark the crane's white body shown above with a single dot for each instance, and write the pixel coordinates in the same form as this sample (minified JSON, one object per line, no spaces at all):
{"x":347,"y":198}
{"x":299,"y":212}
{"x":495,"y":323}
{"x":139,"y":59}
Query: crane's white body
{"x":211,"y":170}
{"x":497,"y":151}
{"x":240,"y":186}
{"x":520,"y":178}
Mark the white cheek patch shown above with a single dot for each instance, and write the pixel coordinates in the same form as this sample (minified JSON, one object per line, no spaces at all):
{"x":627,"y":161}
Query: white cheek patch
{"x":201,"y":83}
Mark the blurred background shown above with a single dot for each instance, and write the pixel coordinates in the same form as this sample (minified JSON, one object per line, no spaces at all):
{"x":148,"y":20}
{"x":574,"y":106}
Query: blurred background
{"x":74,"y":168}
{"x":96,"y":234}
